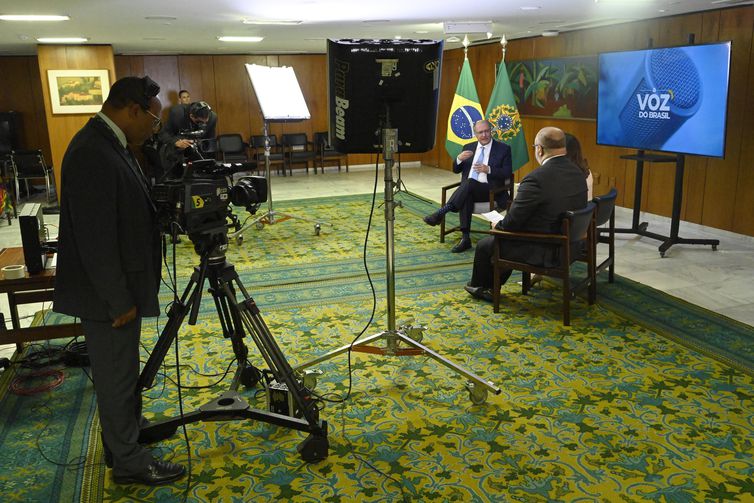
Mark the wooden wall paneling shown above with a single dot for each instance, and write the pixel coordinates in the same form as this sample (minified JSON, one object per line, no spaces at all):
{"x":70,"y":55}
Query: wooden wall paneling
{"x":743,"y":213}
{"x":311,"y":73}
{"x":722,"y":174}
{"x":196,"y":74}
{"x":22,"y":93}
{"x":659,"y":178}
{"x":256,"y":120}
{"x":696,"y":167}
{"x":62,"y":127}
{"x":231,"y":91}
{"x":38,"y":117}
{"x":164,"y":71}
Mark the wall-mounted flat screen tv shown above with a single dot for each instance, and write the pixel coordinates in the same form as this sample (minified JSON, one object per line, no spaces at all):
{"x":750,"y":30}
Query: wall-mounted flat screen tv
{"x":670,"y":99}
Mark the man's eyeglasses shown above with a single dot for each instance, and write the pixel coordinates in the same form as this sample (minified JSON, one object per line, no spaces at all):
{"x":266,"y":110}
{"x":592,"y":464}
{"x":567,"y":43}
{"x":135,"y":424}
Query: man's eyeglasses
{"x":484,"y":131}
{"x":536,"y":145}
{"x":157,"y":121}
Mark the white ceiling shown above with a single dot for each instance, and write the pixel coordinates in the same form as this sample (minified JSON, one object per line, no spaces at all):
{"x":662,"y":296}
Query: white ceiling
{"x":192,"y":26}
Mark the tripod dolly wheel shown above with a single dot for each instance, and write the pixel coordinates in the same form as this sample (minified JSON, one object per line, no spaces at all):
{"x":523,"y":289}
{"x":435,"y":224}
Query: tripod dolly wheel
{"x":250,"y":376}
{"x":259,"y":225}
{"x":317,"y":229}
{"x":477,"y":393}
{"x":239,"y":239}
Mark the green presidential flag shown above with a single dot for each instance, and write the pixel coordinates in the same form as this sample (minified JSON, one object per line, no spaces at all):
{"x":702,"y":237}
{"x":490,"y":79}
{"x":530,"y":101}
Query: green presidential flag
{"x":506,"y":122}
{"x":464,"y":112}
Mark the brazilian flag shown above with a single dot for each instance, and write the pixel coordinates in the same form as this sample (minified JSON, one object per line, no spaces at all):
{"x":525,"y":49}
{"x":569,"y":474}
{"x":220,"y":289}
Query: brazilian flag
{"x":464,"y":112}
{"x":506,"y":122}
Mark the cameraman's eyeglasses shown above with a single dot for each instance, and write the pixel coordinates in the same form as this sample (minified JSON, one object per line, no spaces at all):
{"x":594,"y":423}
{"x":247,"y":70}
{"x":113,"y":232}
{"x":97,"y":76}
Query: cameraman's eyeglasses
{"x":157,"y":121}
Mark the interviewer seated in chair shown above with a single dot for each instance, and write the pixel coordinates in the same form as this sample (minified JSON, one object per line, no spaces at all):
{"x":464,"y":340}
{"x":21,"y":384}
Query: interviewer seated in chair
{"x":574,"y":153}
{"x":484,"y":164}
{"x":556,"y":186}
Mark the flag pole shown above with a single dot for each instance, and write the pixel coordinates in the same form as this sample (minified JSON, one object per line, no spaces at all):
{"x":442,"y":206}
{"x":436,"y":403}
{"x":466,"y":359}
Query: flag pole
{"x":466,"y":47}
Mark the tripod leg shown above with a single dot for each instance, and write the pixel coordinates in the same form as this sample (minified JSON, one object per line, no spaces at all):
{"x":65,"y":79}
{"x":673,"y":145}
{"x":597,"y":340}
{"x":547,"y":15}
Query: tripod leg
{"x":177,"y":314}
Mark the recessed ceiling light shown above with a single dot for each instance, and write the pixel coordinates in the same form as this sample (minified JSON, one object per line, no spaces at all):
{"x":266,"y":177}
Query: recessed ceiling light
{"x":421,"y":32}
{"x":240,"y":39}
{"x":32,"y":17}
{"x":530,"y":7}
{"x":62,"y":40}
{"x":452,"y":39}
{"x":550,"y":33}
{"x":271,"y":22}
{"x":397,"y":37}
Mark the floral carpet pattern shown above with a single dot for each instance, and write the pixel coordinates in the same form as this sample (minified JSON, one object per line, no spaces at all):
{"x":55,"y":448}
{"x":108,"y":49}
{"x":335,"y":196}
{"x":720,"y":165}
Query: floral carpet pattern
{"x":612,"y":408}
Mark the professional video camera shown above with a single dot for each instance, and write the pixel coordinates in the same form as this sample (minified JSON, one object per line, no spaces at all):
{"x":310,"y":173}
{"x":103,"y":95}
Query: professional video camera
{"x":197,"y":203}
{"x":201,"y":145}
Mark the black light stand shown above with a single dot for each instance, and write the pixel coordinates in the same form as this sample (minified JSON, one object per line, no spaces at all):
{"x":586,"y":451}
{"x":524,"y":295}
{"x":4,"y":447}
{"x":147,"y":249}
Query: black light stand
{"x":271,"y":217}
{"x":234,"y":317}
{"x":410,"y":336}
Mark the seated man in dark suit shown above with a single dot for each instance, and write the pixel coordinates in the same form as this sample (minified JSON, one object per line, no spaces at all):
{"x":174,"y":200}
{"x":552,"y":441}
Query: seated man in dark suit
{"x":484,"y":165}
{"x":556,"y":186}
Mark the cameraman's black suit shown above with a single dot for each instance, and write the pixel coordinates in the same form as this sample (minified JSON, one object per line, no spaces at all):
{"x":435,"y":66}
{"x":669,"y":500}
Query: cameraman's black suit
{"x":108,"y":262}
{"x":179,"y":120}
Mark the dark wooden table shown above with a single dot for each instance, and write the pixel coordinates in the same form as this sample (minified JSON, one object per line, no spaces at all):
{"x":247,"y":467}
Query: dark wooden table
{"x":26,"y":290}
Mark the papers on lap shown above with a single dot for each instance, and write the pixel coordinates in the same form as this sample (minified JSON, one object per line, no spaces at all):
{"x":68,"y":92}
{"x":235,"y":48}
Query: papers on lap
{"x":493,"y":216}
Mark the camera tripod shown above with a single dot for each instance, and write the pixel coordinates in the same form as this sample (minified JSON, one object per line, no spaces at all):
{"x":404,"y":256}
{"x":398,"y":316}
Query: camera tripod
{"x":234,"y":317}
{"x":408,"y":335}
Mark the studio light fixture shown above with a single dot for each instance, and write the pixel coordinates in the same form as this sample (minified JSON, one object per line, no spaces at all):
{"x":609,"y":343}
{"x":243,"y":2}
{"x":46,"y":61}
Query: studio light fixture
{"x":32,"y":17}
{"x":271,"y":22}
{"x":458,"y":27}
{"x":62,"y":40}
{"x":240,"y":39}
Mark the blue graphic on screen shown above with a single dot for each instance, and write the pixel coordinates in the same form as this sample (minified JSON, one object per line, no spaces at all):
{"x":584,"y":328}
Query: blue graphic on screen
{"x":672,"y":99}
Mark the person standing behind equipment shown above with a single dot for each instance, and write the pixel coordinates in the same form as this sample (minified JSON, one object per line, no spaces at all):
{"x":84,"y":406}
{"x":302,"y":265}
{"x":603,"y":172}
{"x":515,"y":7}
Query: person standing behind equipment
{"x":187,"y":123}
{"x":108,"y":270}
{"x":184,"y":98}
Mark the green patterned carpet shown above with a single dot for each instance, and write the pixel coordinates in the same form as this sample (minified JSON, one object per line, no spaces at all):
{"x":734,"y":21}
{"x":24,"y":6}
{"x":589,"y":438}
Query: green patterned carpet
{"x":612,"y":408}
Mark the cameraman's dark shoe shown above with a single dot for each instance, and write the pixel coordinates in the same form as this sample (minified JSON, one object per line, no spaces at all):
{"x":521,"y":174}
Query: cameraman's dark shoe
{"x":463,"y":245}
{"x":157,"y":473}
{"x":434,"y":218}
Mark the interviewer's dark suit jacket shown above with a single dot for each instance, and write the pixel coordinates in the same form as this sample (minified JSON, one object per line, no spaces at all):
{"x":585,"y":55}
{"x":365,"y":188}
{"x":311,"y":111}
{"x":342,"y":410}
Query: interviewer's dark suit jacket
{"x":108,"y":244}
{"x":500,"y":167}
{"x":543,"y":196}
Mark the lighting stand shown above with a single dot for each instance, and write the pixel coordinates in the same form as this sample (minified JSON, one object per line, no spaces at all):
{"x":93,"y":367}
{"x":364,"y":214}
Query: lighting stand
{"x":236,"y":319}
{"x":271,"y":217}
{"x":410,"y":336}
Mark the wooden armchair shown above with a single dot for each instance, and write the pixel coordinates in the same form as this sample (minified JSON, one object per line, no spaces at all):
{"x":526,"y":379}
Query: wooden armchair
{"x":576,"y":229}
{"x":478,"y":207}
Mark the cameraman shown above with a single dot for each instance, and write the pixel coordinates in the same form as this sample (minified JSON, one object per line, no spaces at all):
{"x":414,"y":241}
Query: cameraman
{"x":108,"y":271}
{"x":187,"y":123}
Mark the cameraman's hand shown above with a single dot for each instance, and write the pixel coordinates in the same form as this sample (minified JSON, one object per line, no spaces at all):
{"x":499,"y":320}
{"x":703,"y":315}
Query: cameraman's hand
{"x":124,"y":318}
{"x":182,"y":144}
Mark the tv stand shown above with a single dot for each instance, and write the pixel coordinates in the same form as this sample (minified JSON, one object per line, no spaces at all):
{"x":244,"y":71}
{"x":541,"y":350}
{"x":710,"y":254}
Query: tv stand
{"x":641,"y":228}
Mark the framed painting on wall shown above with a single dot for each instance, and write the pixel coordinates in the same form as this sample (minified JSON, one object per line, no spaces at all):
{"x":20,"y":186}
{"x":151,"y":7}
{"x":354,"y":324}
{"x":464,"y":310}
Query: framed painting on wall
{"x":78,"y":91}
{"x":565,"y":88}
